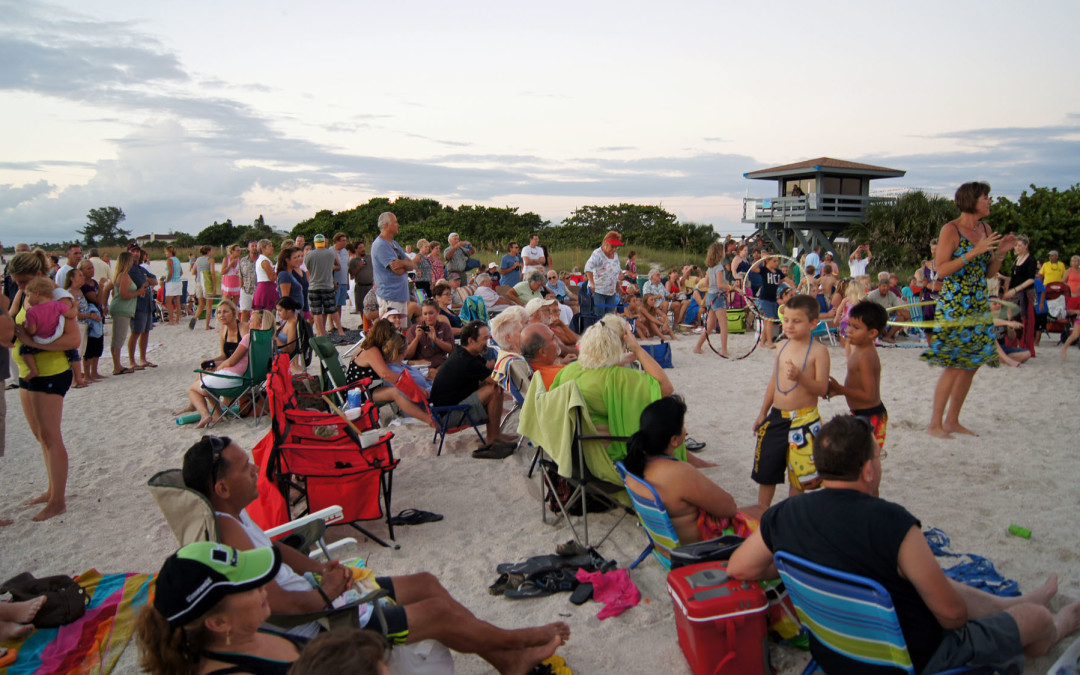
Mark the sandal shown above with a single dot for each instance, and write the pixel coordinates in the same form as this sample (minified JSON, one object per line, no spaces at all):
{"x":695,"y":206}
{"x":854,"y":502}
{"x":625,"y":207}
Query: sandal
{"x":147,"y":364}
{"x":496,"y":450}
{"x":415,"y":517}
{"x":124,"y":371}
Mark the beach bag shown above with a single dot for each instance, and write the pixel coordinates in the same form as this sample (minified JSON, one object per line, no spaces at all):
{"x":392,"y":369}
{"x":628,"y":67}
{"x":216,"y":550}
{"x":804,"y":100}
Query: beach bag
{"x":65,"y":600}
{"x":660,"y":352}
{"x":736,"y":320}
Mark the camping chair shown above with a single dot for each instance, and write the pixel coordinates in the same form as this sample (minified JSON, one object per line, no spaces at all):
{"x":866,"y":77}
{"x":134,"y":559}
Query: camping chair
{"x":191,"y":518}
{"x":1062,"y":324}
{"x":824,"y":332}
{"x":653,"y":516}
{"x":578,"y":455}
{"x":319,"y":459}
{"x":334,"y":382}
{"x":851,"y":619}
{"x":441,"y":415}
{"x":230,"y":400}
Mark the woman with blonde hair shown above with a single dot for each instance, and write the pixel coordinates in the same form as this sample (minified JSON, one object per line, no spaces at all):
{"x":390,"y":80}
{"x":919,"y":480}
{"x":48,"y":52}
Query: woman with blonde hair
{"x":125,"y":295}
{"x":237,"y":364}
{"x":716,"y":300}
{"x":42,"y":397}
{"x":615,"y":394}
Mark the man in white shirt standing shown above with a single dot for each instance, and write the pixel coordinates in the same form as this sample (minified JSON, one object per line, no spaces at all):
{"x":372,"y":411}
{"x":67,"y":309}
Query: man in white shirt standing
{"x":857,"y":264}
{"x":74,"y":256}
{"x":533,"y":256}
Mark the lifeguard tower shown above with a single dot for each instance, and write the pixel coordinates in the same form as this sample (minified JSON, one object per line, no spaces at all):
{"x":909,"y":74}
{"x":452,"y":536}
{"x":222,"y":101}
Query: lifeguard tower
{"x":815,"y":201}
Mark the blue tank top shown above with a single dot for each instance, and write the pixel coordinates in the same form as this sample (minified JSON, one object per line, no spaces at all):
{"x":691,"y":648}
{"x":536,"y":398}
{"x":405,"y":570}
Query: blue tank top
{"x":177,"y":271}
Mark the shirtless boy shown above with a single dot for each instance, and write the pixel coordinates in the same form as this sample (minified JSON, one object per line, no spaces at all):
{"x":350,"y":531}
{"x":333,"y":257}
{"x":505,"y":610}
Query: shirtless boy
{"x":785,"y":434}
{"x":645,"y":325}
{"x":862,"y":386}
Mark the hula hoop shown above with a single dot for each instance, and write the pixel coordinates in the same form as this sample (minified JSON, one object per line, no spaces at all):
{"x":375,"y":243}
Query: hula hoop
{"x":754,"y":323}
{"x":981,"y":320}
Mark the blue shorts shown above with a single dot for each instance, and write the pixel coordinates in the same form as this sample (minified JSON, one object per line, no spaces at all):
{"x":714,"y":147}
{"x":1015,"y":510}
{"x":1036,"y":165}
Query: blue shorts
{"x":142,"y":322}
{"x":768,"y":309}
{"x":49,"y":384}
{"x":716,"y":301}
{"x":342,"y":295}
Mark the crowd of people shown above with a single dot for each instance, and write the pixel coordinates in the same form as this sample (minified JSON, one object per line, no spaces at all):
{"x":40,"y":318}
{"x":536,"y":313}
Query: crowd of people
{"x":581,"y":326}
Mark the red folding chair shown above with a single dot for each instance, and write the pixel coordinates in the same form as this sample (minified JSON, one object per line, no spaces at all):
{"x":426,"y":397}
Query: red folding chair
{"x":318,"y":458}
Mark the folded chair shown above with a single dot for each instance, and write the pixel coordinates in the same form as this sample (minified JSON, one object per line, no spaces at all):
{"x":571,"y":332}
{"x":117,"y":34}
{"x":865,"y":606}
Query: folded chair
{"x":319,"y":459}
{"x":558,"y":423}
{"x":252,"y":384}
{"x":851,"y":619}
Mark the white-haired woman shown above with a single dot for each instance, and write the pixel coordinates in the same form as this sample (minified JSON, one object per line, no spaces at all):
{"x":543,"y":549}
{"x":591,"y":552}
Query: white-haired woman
{"x":506,"y":327}
{"x":615,"y":394}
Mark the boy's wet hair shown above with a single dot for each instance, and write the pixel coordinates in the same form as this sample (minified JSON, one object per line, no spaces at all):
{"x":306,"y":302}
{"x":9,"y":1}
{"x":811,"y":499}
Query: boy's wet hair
{"x":805,"y":304}
{"x":871,"y":314}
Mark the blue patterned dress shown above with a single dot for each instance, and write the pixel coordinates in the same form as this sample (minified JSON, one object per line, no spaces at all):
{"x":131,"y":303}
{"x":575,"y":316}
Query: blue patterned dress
{"x":964,"y":300}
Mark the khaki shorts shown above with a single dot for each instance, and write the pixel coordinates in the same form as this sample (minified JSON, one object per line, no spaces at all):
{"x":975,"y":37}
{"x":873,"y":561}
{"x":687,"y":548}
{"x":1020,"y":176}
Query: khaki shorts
{"x":121,"y":326}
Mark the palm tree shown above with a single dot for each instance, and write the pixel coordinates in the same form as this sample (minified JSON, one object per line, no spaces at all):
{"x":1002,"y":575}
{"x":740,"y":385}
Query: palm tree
{"x":899,"y":232}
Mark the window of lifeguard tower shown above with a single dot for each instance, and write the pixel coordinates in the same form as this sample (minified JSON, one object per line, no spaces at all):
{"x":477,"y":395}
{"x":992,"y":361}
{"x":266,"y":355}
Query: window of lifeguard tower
{"x":835,"y":185}
{"x":804,"y":184}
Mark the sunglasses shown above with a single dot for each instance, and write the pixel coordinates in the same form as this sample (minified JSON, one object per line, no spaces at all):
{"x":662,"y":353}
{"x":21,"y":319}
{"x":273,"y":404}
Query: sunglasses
{"x":217,"y":445}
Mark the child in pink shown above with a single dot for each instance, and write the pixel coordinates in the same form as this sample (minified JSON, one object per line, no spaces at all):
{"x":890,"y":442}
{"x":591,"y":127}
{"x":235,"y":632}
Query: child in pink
{"x":44,"y":320}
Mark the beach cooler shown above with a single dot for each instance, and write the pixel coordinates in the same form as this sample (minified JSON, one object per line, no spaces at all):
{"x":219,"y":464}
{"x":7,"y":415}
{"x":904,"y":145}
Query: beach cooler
{"x":720,"y":621}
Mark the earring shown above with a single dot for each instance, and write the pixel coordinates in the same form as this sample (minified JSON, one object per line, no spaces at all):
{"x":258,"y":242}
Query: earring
{"x":228,"y":638}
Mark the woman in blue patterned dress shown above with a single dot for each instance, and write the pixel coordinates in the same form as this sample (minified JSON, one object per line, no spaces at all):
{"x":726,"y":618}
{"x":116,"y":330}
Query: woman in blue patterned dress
{"x":968,"y":253}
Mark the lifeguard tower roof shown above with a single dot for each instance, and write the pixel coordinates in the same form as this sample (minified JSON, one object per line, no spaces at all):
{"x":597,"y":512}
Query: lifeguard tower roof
{"x":823,"y":164}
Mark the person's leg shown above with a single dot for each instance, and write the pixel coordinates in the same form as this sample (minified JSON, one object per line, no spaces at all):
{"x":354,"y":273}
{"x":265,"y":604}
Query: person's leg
{"x":197,"y":400}
{"x":1073,"y":337}
{"x":721,"y":317}
{"x":765,"y":495}
{"x":209,"y":312}
{"x":49,"y":409}
{"x":21,"y":612}
{"x":710,"y":324}
{"x":957,"y":396}
{"x":491,"y":397}
{"x":144,"y":339}
{"x":390,"y":393}
{"x":941,"y":399}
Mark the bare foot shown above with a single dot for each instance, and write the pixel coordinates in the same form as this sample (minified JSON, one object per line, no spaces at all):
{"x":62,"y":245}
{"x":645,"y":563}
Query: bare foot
{"x":558,"y":629}
{"x":697,"y":351}
{"x":938,"y":432}
{"x":43,"y":498}
{"x":49,"y":512}
{"x":21,"y":612}
{"x":17,"y":631}
{"x":203,"y":421}
{"x":184,"y":411}
{"x":1044,"y":593}
{"x":509,"y":438}
{"x":958,"y":429}
{"x":725,"y":353}
{"x":1067,"y":620}
{"x":768,"y":345}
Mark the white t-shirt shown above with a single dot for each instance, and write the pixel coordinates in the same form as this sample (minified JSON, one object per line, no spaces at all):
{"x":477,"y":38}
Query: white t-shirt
{"x":534,"y":252}
{"x":260,"y":273}
{"x":858,"y":267}
{"x":491,"y":298}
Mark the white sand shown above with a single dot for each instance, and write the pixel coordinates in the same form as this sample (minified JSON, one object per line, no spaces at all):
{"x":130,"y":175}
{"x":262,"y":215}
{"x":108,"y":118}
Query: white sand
{"x":1022,"y":470}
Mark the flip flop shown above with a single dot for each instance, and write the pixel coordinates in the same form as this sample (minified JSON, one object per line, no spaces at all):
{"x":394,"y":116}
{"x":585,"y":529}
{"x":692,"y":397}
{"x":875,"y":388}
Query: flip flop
{"x":79,"y":386}
{"x":137,"y":367}
{"x":191,"y":324}
{"x":415,"y":517}
{"x":124,"y":371}
{"x":147,"y":364}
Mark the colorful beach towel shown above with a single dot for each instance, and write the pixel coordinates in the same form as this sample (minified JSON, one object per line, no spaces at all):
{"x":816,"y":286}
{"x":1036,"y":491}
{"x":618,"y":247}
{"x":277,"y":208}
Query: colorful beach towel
{"x":94,"y":643}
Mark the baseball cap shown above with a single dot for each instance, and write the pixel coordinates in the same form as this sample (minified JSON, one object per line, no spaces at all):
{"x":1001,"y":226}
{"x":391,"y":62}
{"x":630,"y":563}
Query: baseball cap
{"x":319,"y":240}
{"x":534,"y":305}
{"x":614,"y":240}
{"x":391,"y":312}
{"x":199,"y":576}
{"x":493,"y":266}
{"x":132,"y":245}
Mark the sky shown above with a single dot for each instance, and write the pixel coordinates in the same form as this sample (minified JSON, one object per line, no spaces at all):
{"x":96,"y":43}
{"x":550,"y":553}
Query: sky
{"x":183,"y":114}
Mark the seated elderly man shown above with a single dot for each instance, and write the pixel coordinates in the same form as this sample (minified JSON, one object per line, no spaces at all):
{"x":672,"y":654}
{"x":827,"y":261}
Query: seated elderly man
{"x":506,"y":330}
{"x":847,"y":527}
{"x":546,"y":311}
{"x":614,"y":393}
{"x":883,"y":295}
{"x":223,"y":473}
{"x":531,"y":287}
{"x":540,"y":351}
{"x":485,"y":288}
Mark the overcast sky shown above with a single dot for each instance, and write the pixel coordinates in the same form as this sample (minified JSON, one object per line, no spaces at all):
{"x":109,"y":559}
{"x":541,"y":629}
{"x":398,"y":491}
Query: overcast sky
{"x":187,"y":113}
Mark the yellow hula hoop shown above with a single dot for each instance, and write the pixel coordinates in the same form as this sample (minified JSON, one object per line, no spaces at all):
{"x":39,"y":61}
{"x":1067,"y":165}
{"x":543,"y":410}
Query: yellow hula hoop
{"x":986,"y":318}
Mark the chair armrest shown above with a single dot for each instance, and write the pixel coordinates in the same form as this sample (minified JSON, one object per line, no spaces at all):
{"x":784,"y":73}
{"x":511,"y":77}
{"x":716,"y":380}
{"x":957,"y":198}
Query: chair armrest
{"x":329,"y":515}
{"x":317,"y":554}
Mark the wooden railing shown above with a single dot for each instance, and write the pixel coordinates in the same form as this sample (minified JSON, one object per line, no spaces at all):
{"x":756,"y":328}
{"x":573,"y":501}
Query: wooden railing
{"x":809,"y":208}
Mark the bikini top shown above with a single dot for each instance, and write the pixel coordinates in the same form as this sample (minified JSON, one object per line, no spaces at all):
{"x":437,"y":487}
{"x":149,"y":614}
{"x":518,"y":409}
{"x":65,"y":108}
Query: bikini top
{"x":806,"y":359}
{"x":256,"y":665}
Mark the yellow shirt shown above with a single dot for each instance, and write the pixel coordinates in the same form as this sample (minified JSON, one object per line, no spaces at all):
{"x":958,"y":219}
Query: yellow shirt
{"x":48,"y":363}
{"x":1052,"y":272}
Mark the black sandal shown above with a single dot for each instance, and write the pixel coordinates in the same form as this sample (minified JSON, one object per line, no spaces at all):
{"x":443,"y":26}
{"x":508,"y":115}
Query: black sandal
{"x":415,"y":517}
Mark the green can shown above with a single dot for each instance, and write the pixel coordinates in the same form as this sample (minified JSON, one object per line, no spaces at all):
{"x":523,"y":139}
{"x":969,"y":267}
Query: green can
{"x":1020,"y":531}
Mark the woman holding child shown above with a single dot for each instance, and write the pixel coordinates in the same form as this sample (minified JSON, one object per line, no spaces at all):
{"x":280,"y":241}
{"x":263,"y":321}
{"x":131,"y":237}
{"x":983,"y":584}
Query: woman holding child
{"x":968,"y":253}
{"x":42,"y":397}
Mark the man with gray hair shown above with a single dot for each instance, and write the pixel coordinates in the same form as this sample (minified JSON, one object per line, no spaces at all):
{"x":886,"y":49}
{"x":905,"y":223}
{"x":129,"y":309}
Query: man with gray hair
{"x":457,"y":258}
{"x":389,"y":266}
{"x":1053,"y":270}
{"x":485,"y":288}
{"x":882,"y":295}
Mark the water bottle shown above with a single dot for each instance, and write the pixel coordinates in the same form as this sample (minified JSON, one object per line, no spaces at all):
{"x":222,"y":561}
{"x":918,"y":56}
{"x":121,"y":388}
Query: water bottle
{"x":353,"y":398}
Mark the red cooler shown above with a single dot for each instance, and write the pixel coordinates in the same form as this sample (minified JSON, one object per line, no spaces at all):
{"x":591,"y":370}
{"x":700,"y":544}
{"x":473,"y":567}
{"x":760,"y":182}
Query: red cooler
{"x":721,"y":621}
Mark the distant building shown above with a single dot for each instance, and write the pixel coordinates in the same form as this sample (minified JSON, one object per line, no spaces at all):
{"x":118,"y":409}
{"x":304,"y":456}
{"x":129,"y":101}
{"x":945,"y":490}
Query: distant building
{"x":815,"y":201}
{"x":147,"y":238}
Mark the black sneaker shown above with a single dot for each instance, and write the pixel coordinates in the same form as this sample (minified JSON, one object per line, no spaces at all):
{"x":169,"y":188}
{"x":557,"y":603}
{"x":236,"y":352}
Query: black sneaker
{"x":694,"y":446}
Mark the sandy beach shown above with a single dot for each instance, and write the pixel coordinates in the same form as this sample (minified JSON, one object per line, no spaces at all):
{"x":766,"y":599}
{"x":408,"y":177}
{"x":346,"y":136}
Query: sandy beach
{"x":1020,"y":470}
